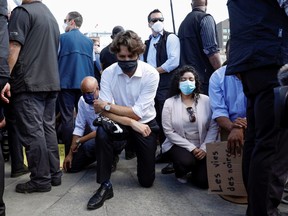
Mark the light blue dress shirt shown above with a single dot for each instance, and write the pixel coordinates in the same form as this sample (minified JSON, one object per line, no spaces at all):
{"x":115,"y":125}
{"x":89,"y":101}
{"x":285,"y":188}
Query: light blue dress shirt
{"x":226,"y":95}
{"x":173,"y":52}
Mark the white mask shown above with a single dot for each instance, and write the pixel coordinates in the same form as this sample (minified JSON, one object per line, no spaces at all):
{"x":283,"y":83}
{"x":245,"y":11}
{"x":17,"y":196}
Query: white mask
{"x":158,"y":26}
{"x":64,"y":26}
{"x":18,"y":2}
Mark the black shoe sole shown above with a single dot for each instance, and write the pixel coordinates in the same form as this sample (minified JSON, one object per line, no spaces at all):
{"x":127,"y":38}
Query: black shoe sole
{"x":33,"y":190}
{"x":93,"y":207}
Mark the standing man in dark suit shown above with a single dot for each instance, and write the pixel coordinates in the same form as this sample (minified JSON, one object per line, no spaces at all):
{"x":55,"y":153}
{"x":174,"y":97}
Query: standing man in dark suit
{"x":198,"y":39}
{"x":258,"y":48}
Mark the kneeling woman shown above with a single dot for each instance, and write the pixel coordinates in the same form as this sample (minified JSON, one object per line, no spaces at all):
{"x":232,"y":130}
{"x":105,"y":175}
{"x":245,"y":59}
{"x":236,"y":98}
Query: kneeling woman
{"x":188,"y":126}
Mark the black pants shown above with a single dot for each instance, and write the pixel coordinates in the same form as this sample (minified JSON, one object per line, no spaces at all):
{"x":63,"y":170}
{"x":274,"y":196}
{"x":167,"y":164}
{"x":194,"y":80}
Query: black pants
{"x":265,"y":161}
{"x":145,"y":148}
{"x":185,"y":162}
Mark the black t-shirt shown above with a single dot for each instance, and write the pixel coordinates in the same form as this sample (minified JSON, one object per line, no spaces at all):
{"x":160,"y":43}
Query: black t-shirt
{"x":106,"y":57}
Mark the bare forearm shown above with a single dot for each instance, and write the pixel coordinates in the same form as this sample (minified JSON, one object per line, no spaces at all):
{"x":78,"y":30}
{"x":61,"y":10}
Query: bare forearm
{"x":225,"y":123}
{"x":215,"y":61}
{"x":123,"y":111}
{"x":14,"y":50}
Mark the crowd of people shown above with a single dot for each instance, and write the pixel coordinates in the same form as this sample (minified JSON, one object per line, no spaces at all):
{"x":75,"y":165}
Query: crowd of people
{"x":171,"y":91}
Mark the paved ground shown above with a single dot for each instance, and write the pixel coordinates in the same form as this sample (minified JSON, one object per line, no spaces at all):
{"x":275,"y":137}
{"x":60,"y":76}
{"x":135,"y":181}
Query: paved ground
{"x":167,"y":196}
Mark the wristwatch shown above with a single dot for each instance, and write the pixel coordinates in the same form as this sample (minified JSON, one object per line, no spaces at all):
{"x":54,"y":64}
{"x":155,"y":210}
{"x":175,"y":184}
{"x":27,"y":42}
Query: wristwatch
{"x":107,"y":107}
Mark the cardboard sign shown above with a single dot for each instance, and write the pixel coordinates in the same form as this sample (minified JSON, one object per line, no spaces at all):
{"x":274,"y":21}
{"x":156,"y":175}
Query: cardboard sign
{"x":224,"y":171}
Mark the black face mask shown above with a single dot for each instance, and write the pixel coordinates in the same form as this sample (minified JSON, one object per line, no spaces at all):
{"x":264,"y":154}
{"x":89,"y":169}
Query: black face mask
{"x":128,"y":66}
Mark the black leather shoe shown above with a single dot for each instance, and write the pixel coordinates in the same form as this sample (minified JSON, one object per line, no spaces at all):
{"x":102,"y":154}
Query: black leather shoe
{"x":98,"y":199}
{"x":28,"y":187}
{"x":168,"y":169}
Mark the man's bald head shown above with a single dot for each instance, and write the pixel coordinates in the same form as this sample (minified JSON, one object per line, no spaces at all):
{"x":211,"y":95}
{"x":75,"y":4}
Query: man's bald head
{"x":89,"y":84}
{"x":199,"y":4}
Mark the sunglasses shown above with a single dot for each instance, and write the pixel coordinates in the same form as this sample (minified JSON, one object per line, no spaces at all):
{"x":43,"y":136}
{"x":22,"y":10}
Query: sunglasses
{"x":154,"y":20}
{"x":65,"y":20}
{"x":191,"y":112}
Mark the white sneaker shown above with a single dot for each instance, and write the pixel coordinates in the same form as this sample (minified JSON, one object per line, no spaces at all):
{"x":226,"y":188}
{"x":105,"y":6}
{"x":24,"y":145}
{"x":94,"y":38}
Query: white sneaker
{"x":182,"y":180}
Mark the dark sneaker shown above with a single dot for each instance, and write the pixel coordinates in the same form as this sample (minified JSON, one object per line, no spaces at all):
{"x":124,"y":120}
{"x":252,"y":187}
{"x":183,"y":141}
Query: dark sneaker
{"x":28,"y":187}
{"x":168,"y":169}
{"x":98,"y":199}
{"x":56,"y":182}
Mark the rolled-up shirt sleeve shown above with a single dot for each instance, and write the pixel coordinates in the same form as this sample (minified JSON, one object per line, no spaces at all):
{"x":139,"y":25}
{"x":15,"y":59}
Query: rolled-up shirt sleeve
{"x":216,"y":96}
{"x":208,"y":35}
{"x":146,"y":98}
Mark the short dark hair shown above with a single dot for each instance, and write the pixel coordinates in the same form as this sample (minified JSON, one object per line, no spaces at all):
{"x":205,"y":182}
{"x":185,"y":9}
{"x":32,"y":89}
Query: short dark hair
{"x":77,"y":17}
{"x":129,"y":39}
{"x":174,"y":88}
{"x":154,"y":11}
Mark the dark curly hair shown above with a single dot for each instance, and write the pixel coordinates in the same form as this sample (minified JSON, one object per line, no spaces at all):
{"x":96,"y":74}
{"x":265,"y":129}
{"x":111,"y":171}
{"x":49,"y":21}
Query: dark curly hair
{"x":174,"y":89}
{"x":129,"y":39}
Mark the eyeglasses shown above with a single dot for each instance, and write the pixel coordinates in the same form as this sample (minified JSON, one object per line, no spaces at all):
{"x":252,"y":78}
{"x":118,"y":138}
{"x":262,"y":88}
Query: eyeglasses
{"x":191,"y":112}
{"x":154,"y":20}
{"x":65,"y":20}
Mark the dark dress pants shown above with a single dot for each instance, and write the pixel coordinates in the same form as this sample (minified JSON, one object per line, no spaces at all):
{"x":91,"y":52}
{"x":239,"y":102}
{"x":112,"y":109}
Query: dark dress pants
{"x":160,"y":98}
{"x":145,"y":148}
{"x":265,"y":161}
{"x":35,"y":117}
{"x":15,"y":146}
{"x":67,"y":103}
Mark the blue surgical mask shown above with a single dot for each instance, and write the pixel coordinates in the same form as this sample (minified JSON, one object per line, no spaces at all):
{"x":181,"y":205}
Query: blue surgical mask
{"x":89,"y":98}
{"x":187,"y":87}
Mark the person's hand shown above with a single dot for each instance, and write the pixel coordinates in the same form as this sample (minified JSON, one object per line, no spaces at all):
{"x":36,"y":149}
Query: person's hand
{"x":99,"y":105}
{"x":141,"y":128}
{"x":199,"y":153}
{"x":74,"y":147}
{"x":235,"y":141}
{"x":240,"y":123}
{"x":5,"y":93}
{"x":67,"y":163}
{"x":3,"y":123}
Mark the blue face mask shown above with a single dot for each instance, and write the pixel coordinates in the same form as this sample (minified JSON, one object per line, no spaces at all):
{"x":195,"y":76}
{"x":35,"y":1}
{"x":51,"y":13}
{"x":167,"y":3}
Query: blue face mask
{"x":89,"y":98}
{"x":187,"y":87}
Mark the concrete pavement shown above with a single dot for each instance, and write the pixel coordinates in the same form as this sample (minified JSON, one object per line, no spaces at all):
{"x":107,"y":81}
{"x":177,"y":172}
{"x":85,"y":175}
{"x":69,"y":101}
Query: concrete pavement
{"x":167,"y":197}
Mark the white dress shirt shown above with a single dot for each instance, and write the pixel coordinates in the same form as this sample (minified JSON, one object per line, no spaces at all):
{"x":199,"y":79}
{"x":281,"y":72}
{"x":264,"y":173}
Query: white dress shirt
{"x":137,"y":92}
